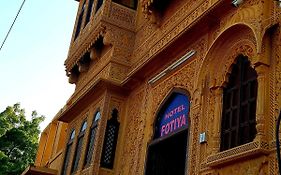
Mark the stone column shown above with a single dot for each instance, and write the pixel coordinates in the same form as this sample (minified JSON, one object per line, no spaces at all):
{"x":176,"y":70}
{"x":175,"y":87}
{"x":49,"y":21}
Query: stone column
{"x":262,"y":101}
{"x":193,"y":144}
{"x":217,"y":93}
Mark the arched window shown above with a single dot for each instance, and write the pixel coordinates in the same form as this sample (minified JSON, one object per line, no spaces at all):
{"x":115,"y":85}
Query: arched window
{"x":167,"y":153}
{"x":92,"y":136}
{"x":239,"y":106}
{"x":78,"y":149}
{"x":110,"y":140}
{"x":67,"y":152}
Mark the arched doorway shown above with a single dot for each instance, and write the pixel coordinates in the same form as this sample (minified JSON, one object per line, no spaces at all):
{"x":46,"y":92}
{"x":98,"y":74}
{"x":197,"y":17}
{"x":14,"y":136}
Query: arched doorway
{"x":167,"y":153}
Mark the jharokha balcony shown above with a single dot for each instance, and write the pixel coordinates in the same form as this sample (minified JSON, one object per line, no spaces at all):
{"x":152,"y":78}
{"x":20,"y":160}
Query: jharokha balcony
{"x":95,"y":34}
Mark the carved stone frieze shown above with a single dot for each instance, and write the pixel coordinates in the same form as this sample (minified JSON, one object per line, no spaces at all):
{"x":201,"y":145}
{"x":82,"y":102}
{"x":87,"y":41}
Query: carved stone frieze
{"x":251,"y":167}
{"x":117,"y":73}
{"x":217,"y":71}
{"x":173,"y":28}
{"x":246,"y":150}
{"x":132,"y":139}
{"x":119,"y":37}
{"x":121,"y":16}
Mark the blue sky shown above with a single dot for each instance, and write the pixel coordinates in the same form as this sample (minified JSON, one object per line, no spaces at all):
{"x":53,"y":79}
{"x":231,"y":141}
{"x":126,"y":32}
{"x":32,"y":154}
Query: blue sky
{"x":32,"y":68}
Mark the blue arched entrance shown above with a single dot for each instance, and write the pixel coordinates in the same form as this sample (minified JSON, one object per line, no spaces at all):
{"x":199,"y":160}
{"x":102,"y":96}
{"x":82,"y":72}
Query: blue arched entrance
{"x":167,"y":153}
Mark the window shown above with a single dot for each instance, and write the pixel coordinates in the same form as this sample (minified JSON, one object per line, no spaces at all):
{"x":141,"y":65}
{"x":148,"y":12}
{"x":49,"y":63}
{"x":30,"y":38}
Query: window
{"x":89,"y":11}
{"x":78,"y":147}
{"x":239,"y":106}
{"x":110,"y":141}
{"x":99,"y":4}
{"x":80,"y":20}
{"x":67,"y":152}
{"x":92,"y":135}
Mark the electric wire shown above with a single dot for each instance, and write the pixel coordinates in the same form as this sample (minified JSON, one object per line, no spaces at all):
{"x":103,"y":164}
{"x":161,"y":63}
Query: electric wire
{"x":278,"y":143}
{"x":12,"y":24}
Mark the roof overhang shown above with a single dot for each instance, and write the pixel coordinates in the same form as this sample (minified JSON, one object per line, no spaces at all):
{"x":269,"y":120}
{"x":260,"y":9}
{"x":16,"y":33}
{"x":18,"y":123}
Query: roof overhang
{"x":70,"y":111}
{"x":34,"y":170}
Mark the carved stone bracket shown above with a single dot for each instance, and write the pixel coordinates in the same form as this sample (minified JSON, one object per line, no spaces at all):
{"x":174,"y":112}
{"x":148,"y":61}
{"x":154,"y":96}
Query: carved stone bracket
{"x":77,"y":49}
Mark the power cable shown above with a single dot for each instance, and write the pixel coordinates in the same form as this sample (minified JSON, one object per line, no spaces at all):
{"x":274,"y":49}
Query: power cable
{"x":12,"y":25}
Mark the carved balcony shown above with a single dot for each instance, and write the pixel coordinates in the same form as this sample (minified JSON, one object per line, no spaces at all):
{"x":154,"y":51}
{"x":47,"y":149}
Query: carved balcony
{"x":110,"y":23}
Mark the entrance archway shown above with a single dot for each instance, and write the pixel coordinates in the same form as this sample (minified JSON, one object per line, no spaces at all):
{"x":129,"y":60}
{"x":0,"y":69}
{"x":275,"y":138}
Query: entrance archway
{"x":167,"y":153}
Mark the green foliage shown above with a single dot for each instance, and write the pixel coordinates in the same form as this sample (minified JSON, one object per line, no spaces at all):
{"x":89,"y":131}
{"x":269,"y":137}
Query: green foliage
{"x":18,"y":139}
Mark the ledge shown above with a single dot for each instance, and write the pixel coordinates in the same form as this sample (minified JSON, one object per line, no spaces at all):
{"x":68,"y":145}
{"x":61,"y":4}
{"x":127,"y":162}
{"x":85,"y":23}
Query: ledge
{"x":255,"y":148}
{"x":34,"y":170}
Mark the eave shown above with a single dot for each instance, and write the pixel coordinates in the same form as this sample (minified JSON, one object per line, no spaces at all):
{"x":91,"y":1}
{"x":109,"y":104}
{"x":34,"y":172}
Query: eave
{"x":71,"y":110}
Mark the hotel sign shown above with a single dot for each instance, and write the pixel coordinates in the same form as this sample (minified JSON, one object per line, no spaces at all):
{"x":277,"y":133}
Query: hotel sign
{"x":174,"y":116}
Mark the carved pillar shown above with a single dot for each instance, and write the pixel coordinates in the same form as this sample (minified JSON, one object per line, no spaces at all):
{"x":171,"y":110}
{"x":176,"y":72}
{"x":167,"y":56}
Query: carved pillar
{"x":194,"y":140}
{"x":217,"y":93}
{"x":261,"y":101}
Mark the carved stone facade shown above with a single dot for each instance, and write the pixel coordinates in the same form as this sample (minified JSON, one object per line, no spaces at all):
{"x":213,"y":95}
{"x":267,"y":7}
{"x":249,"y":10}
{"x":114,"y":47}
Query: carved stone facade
{"x":129,"y":69}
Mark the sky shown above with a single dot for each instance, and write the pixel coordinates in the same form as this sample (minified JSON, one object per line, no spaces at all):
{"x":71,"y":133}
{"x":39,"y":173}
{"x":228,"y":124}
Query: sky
{"x":32,"y":70}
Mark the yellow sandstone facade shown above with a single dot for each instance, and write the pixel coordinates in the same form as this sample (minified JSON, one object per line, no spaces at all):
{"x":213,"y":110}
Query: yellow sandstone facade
{"x":132,"y":60}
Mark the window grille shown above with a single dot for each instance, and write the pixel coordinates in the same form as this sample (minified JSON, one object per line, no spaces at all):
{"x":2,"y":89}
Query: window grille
{"x":110,"y":141}
{"x":78,"y":147}
{"x":92,"y":135}
{"x":67,"y":152}
{"x":239,"y":106}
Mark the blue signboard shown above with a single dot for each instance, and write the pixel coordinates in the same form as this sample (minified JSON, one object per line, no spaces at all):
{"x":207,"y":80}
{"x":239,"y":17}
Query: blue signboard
{"x":174,"y":115}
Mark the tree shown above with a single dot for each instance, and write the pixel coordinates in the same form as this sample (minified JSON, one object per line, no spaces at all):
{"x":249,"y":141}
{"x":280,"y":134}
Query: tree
{"x":18,"y":139}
